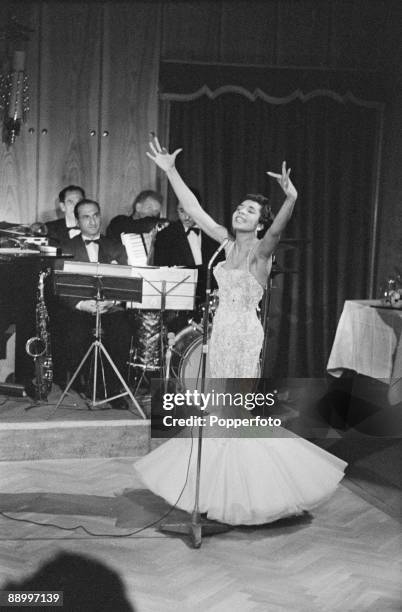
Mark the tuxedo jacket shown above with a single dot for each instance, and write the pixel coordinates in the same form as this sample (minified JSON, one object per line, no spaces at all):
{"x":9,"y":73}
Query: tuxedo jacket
{"x":57,"y":232}
{"x":172,"y":248}
{"x":109,"y":251}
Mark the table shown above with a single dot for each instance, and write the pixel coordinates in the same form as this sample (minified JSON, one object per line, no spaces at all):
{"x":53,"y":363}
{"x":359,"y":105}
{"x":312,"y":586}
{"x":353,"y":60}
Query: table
{"x":368,"y":340}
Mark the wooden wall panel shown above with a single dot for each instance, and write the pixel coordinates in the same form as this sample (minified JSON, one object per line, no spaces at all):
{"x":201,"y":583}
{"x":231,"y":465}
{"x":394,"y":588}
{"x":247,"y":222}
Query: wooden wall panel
{"x":191,"y":31}
{"x":129,"y":103}
{"x":69,"y":100}
{"x":18,"y":163}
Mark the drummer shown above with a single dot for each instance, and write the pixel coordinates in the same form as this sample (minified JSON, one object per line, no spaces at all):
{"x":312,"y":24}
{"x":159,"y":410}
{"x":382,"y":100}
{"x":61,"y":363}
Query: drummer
{"x":182,"y":243}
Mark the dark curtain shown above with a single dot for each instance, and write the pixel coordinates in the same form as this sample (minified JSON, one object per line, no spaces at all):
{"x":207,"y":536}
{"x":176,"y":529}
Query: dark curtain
{"x":229,"y":143}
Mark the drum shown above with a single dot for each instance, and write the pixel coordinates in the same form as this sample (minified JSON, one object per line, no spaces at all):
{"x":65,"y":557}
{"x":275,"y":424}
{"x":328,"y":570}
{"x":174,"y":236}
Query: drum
{"x":185,"y":365}
{"x":147,"y":339}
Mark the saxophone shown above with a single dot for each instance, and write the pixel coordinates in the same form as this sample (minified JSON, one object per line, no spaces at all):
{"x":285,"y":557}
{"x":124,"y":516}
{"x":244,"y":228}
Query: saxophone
{"x":39,"y":346}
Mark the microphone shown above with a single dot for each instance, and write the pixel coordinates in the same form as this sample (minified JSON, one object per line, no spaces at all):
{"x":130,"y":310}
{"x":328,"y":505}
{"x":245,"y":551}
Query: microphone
{"x":218,"y":250}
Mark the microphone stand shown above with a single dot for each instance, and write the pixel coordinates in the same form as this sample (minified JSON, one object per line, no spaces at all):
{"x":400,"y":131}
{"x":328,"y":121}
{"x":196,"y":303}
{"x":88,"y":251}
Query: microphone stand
{"x":265,"y":318}
{"x":196,"y":529}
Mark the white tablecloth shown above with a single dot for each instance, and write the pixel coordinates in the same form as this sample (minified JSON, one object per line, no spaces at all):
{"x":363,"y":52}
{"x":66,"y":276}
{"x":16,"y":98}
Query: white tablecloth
{"x":369,"y":341}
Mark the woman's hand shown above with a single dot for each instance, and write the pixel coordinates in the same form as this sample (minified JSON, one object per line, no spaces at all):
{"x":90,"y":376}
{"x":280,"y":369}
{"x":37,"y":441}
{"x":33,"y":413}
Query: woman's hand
{"x":284,"y":181}
{"x":166,"y":161}
{"x":160,"y":155}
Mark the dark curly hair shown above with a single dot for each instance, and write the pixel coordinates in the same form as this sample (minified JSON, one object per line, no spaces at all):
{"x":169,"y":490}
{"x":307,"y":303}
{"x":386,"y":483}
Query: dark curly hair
{"x":266,"y":214}
{"x":84,"y":201}
{"x":147,"y":193}
{"x":63,"y":193}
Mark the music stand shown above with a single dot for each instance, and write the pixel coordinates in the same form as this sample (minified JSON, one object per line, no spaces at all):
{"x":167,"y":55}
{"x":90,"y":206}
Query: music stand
{"x":98,"y":287}
{"x":165,"y":288}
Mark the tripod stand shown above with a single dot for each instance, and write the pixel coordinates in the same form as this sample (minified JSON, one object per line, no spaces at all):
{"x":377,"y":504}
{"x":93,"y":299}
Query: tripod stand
{"x":97,"y":347}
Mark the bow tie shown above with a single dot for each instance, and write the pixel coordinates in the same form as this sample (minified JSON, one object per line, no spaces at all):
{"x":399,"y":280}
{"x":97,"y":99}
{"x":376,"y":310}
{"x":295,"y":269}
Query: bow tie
{"x":96,"y":241}
{"x":196,"y":230}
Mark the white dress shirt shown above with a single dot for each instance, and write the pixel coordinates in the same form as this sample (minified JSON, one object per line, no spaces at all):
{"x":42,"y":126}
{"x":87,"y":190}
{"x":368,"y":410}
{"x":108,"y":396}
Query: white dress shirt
{"x":93,"y":254}
{"x":92,"y":249}
{"x":194,"y":241}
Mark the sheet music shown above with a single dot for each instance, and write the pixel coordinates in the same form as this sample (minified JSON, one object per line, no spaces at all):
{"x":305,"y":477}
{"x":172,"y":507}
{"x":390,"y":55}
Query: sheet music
{"x":136,"y":254}
{"x":98,"y":269}
{"x":180,"y":283}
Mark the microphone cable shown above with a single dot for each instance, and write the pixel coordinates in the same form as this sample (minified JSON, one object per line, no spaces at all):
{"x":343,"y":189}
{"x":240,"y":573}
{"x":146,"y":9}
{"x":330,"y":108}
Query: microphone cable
{"x":109,"y":535}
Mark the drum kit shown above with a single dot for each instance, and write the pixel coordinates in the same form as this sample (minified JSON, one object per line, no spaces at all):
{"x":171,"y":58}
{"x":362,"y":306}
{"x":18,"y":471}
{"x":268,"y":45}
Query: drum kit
{"x":181,"y":352}
{"x":180,"y":359}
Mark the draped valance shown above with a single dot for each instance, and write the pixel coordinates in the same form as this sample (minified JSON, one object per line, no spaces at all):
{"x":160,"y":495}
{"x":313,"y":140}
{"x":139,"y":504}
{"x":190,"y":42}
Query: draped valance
{"x":188,"y":81}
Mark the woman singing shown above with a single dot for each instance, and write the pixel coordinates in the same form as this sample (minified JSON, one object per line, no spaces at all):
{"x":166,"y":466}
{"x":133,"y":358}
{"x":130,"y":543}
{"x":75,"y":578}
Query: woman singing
{"x":244,"y":480}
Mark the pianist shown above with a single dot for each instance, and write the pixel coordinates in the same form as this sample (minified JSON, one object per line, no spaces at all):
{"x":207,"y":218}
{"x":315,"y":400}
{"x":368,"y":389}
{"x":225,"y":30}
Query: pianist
{"x":76,"y":318}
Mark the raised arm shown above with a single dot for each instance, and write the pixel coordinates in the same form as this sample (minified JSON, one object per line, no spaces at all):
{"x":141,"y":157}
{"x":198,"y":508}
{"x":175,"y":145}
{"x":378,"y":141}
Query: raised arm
{"x":166,"y":162}
{"x":272,"y":236}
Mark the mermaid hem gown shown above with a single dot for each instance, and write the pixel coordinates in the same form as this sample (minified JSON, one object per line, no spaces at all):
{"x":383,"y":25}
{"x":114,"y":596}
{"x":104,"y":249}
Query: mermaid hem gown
{"x":244,"y":481}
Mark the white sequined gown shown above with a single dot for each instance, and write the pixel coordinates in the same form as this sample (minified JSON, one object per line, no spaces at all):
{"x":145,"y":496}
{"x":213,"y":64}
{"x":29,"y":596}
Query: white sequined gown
{"x":237,"y":333}
{"x":244,"y":480}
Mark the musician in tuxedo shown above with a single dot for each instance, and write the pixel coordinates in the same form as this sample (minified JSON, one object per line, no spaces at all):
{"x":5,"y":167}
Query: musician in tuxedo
{"x":60,"y":230}
{"x":146,"y":210}
{"x":142,"y":224}
{"x":77,"y":317}
{"x":182,"y":243}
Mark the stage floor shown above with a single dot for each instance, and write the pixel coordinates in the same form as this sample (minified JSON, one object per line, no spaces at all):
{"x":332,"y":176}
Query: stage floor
{"x":74,"y":467}
{"x":344,"y":556}
{"x":29,"y":431}
{"x":74,"y":407}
